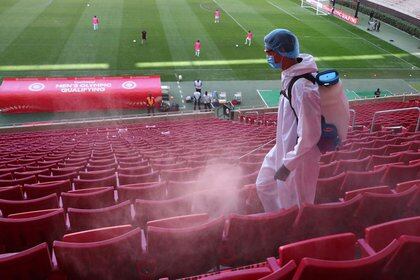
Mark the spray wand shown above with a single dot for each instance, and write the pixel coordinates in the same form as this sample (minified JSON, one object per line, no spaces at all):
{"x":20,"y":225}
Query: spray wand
{"x":254,"y":150}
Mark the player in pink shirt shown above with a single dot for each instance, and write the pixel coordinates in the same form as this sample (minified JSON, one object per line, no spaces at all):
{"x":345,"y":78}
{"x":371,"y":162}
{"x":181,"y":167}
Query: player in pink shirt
{"x":197,"y":48}
{"x":248,"y":38}
{"x":216,"y":16}
{"x":95,"y":22}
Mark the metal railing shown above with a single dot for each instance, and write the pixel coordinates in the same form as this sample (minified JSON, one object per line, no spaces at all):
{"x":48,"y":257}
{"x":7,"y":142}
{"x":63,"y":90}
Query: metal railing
{"x":393,"y":111}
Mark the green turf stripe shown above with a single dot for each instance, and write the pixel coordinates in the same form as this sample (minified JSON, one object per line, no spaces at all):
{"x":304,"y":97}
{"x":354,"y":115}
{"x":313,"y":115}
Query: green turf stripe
{"x":87,"y":46}
{"x":16,"y":18}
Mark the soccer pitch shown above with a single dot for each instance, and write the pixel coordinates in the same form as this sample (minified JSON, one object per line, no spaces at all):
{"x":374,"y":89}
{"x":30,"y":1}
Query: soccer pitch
{"x":56,"y":38}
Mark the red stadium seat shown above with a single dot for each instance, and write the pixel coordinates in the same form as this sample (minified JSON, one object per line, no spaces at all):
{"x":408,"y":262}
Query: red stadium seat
{"x":92,"y":198}
{"x":147,"y":191}
{"x":180,"y":221}
{"x":27,"y":180}
{"x":184,"y":250}
{"x":68,"y":176}
{"x":400,"y":173}
{"x":328,"y":189}
{"x":11,"y":193}
{"x":327,"y":170}
{"x":8,"y":207}
{"x":253,"y":238}
{"x":381,"y":160}
{"x":379,"y":208}
{"x":149,"y":210}
{"x":338,"y":247}
{"x":364,"y":268}
{"x":140,"y":170}
{"x":25,"y":174}
{"x":34,"y":263}
{"x":134,"y":179}
{"x":110,"y":181}
{"x":106,"y":253}
{"x":357,"y":179}
{"x":95,"y":175}
{"x":404,"y":264}
{"x":43,"y":189}
{"x":24,"y":230}
{"x":325,"y":219}
{"x":352,"y":165}
{"x":381,"y":189}
{"x":67,"y":170}
{"x":83,"y":219}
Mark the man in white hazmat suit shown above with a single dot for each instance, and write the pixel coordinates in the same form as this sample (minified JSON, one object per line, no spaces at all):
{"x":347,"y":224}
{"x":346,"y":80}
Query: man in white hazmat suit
{"x":290,"y":170}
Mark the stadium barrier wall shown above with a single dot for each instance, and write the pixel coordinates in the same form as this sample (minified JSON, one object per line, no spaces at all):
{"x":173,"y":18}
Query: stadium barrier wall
{"x":29,"y":95}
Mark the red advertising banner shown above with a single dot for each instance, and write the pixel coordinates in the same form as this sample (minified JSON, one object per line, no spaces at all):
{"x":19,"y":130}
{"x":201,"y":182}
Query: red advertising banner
{"x":27,"y":95}
{"x":336,"y":12}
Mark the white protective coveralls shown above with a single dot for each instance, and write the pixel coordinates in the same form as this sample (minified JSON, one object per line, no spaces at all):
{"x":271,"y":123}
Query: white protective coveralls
{"x":300,"y":157}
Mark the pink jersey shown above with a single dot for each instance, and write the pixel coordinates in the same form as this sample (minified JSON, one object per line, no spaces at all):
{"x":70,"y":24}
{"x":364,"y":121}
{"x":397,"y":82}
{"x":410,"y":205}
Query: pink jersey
{"x":95,"y":20}
{"x":249,"y":35}
{"x":217,"y":14}
{"x":197,"y":46}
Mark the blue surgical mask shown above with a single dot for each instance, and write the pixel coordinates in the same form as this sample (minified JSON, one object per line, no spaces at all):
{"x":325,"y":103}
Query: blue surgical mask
{"x":272,"y":62}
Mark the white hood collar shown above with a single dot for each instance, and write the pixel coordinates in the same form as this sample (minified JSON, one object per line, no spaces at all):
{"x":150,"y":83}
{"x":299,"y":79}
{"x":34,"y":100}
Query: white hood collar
{"x":307,"y":65}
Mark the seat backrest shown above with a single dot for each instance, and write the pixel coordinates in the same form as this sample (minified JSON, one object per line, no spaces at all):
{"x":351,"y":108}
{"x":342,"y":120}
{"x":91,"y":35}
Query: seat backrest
{"x":364,"y":268}
{"x":110,"y":181}
{"x":94,"y":175}
{"x":8,"y":207}
{"x":328,"y":189}
{"x":83,"y":219}
{"x":150,"y":191}
{"x":378,"y":208}
{"x":34,"y":263}
{"x":140,"y":170}
{"x":133,"y":179}
{"x":149,"y":210}
{"x":352,"y":165}
{"x":359,"y":179}
{"x":43,"y":189}
{"x":404,"y":264}
{"x":381,"y":189}
{"x":111,"y":258}
{"x":379,"y":236}
{"x":89,"y":198}
{"x":325,"y":219}
{"x":336,"y":247}
{"x":253,"y":238}
{"x":11,"y":193}
{"x":26,"y":180}
{"x":180,"y":221}
{"x":400,"y":173}
{"x":31,"y":228}
{"x":185,"y":247}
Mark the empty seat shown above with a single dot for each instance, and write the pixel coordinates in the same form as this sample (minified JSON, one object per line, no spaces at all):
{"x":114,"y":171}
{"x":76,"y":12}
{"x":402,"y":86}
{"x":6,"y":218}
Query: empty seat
{"x":400,"y":173}
{"x":184,"y":250}
{"x":357,"y":180}
{"x":68,"y":176}
{"x":181,"y":174}
{"x":26,"y":180}
{"x":34,"y":263}
{"x":253,"y":238}
{"x":380,"y":235}
{"x":105,"y":253}
{"x":325,"y":219}
{"x":328,"y":189}
{"x":148,"y":191}
{"x":404,"y":264}
{"x":381,"y":160}
{"x":327,"y":170}
{"x":381,"y":189}
{"x":336,"y":247}
{"x":83,"y":219}
{"x":377,"y":208}
{"x":43,"y":189}
{"x":180,"y":221}
{"x":364,"y":268}
{"x":8,"y":207}
{"x":67,"y":170}
{"x":101,"y":167}
{"x":110,"y":181}
{"x":89,"y":198}
{"x":24,"y":230}
{"x":11,"y":193}
{"x":352,"y":165}
{"x":180,"y":188}
{"x":141,"y":170}
{"x":149,"y":210}
{"x":94,"y":175}
{"x":25,"y":174}
{"x":133,"y":179}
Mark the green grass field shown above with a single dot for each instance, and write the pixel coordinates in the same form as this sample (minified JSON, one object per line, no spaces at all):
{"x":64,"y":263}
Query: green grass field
{"x":55,"y":38}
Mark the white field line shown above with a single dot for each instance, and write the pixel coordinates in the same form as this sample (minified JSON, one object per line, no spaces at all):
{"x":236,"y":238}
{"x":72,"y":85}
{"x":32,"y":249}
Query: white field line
{"x":237,"y":22}
{"x":266,"y":105}
{"x":281,"y":9}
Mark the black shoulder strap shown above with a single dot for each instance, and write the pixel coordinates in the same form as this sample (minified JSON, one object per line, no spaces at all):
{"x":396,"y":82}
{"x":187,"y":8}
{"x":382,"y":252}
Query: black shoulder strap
{"x":288,"y":96}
